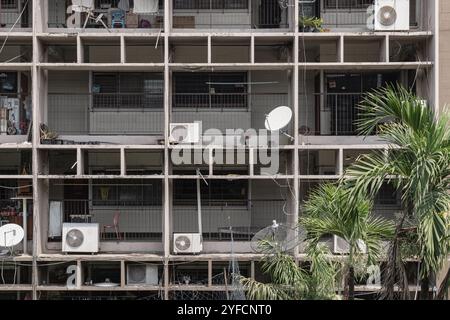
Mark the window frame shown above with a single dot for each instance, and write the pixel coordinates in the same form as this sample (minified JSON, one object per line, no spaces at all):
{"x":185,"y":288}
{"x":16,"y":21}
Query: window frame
{"x":8,"y":9}
{"x":152,"y":98}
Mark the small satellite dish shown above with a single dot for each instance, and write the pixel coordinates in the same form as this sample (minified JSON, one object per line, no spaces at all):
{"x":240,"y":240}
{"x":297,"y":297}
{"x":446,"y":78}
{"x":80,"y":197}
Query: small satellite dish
{"x":277,"y":238}
{"x":106,"y":284}
{"x":11,"y":235}
{"x":278,"y":119}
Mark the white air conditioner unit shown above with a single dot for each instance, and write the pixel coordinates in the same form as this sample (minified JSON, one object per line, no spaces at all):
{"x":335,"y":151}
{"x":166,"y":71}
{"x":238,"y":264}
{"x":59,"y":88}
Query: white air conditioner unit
{"x":80,"y":237}
{"x":142,"y":274}
{"x":187,"y":243}
{"x":184,"y":132}
{"x":391,"y":15}
{"x":341,"y":246}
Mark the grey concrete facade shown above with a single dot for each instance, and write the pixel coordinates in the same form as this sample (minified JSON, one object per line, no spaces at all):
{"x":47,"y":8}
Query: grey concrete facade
{"x":130,"y":140}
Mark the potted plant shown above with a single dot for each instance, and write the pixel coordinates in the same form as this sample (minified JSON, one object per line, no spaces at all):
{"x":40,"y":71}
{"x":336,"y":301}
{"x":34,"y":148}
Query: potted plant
{"x":47,"y":136}
{"x":311,"y":24}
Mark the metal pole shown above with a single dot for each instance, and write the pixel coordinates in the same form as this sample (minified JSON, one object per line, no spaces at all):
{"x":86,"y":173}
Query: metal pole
{"x":24,"y":225}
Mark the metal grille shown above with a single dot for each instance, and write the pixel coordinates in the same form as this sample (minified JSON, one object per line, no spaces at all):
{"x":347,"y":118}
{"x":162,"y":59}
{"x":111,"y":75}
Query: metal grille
{"x":9,"y":4}
{"x":210,"y":4}
{"x":347,"y":4}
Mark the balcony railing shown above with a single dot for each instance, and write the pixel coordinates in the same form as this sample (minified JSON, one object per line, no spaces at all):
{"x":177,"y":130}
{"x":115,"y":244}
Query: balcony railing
{"x":224,"y":111}
{"x":14,"y":15}
{"x":135,"y":220}
{"x":222,"y":14}
{"x":226,"y":101}
{"x":338,"y":114}
{"x":347,"y":13}
{"x":107,"y":14}
{"x":106,"y":113}
{"x":245,"y":218}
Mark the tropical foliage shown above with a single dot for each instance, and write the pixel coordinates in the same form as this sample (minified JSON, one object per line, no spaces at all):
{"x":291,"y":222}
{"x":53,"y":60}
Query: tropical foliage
{"x":292,"y":282}
{"x":329,"y":211}
{"x":417,"y":163}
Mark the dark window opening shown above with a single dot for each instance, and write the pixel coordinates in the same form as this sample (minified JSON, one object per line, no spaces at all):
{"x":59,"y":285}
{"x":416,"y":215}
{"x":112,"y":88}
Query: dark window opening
{"x":210,"y":90}
{"x":128,"y":91}
{"x":217,"y":192}
{"x":209,"y":4}
{"x":127,"y":192}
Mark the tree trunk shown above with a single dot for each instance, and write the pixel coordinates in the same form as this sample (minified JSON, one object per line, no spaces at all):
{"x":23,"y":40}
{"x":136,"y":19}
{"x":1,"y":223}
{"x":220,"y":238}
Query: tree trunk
{"x":393,"y":265}
{"x":351,"y":283}
{"x":425,"y":288}
{"x":444,"y":287}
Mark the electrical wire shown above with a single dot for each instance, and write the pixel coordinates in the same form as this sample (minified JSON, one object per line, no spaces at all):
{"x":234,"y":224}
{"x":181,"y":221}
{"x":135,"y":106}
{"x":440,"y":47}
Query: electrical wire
{"x":13,"y":26}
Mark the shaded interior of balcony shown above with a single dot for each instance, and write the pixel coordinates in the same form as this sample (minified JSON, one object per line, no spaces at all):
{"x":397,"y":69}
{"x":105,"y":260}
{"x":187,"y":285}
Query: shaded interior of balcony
{"x":237,"y":208}
{"x":107,"y":15}
{"x":329,"y":101}
{"x":15,"y":15}
{"x":229,"y":15}
{"x":353,"y":15}
{"x":105,"y":106}
{"x":15,"y":106}
{"x":16,"y":199}
{"x":125,"y":209}
{"x":229,"y":100}
{"x":232,"y":162}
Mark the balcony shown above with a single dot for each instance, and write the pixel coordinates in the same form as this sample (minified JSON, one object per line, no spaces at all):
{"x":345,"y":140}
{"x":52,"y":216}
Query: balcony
{"x":106,"y":16}
{"x":15,"y":15}
{"x":229,"y":209}
{"x":229,"y":15}
{"x":15,"y":116}
{"x":137,"y":221}
{"x":225,"y":111}
{"x":353,"y":15}
{"x":244,"y":217}
{"x":106,"y":114}
{"x":339,"y":114}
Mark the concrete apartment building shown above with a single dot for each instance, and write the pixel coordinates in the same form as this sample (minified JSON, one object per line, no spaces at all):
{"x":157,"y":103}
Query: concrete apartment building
{"x":91,"y":94}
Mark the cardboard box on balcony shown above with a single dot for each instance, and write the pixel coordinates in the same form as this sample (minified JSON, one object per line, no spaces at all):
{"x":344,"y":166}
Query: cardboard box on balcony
{"x":24,"y":188}
{"x":184,"y":22}
{"x":132,"y":20}
{"x":4,"y":114}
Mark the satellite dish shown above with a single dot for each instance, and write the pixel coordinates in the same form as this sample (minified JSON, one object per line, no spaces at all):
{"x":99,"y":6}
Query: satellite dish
{"x":278,"y":119}
{"x":106,"y":284}
{"x":277,"y":238}
{"x":11,"y":235}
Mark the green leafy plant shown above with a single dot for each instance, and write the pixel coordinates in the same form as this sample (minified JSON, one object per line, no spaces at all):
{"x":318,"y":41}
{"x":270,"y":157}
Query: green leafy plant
{"x":311,"y":24}
{"x":316,"y":281}
{"x":417,"y":164}
{"x":329,"y":211}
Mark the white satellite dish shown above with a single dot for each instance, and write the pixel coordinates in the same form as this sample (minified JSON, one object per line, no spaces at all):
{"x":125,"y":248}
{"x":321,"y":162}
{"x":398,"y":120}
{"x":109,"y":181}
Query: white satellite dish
{"x":11,"y":235}
{"x":278,"y":119}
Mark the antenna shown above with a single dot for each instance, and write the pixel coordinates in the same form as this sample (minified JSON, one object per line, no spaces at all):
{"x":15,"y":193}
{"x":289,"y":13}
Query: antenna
{"x":278,"y":119}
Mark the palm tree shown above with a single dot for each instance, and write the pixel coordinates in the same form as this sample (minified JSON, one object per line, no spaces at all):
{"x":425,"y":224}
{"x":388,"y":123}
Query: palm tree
{"x":417,"y":163}
{"x":292,"y":282}
{"x":329,"y":211}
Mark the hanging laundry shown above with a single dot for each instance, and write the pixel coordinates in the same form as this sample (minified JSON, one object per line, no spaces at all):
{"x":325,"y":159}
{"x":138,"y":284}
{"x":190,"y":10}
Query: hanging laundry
{"x":88,"y":4}
{"x":146,"y":6}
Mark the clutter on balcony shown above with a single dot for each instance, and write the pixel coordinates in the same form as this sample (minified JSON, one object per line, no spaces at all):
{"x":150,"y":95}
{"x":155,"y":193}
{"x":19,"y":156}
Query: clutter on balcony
{"x":114,"y":14}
